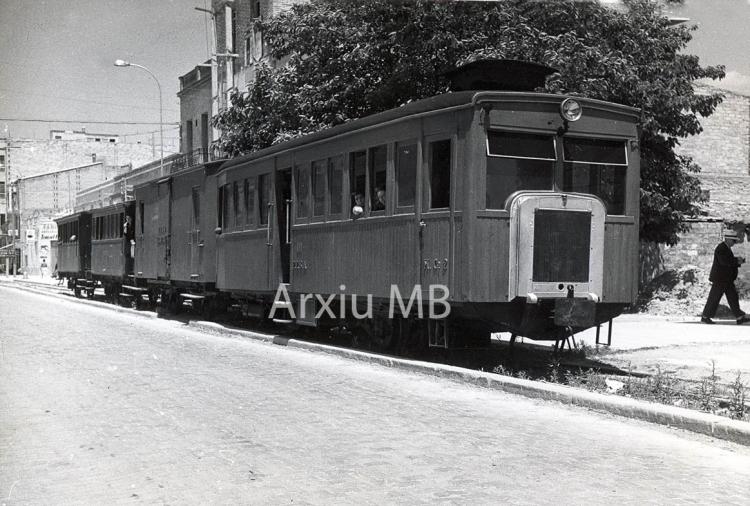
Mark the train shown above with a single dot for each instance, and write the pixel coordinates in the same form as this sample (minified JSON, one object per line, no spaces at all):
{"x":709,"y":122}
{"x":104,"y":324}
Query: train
{"x":488,"y":208}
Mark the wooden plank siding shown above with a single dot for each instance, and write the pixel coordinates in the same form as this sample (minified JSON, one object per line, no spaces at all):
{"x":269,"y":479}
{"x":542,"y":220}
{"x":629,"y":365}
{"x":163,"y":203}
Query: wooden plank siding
{"x":107,"y":257}
{"x":366,"y":255}
{"x":149,"y":252}
{"x":620,"y":283}
{"x":243,"y":262}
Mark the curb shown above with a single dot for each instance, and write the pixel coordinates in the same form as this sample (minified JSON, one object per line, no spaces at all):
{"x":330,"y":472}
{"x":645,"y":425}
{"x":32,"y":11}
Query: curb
{"x":662,"y":414}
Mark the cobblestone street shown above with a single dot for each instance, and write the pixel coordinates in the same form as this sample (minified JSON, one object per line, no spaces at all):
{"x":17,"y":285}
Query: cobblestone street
{"x":102,"y":407}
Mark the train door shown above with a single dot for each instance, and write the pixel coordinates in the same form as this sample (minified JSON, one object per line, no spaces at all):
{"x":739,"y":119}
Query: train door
{"x":195,"y":239}
{"x":436,"y":230}
{"x":164,"y":239}
{"x":284,"y":220}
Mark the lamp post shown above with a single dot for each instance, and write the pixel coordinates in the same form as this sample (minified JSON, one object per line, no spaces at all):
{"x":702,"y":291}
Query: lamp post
{"x":123,"y":63}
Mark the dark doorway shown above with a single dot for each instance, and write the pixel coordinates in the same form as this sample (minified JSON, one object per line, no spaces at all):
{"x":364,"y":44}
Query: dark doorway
{"x":284,"y":216}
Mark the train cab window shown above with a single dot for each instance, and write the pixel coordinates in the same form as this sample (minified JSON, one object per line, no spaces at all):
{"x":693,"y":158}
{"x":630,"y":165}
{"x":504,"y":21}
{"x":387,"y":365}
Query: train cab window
{"x":264,"y":194}
{"x":517,"y":161}
{"x":440,"y":174}
{"x":358,"y":181}
{"x":303,"y":191}
{"x":249,"y":191}
{"x":335,"y":184}
{"x":406,"y":174}
{"x":142,"y":211}
{"x":378,"y":160}
{"x":596,"y":166}
{"x":239,"y":218}
{"x":319,"y":187}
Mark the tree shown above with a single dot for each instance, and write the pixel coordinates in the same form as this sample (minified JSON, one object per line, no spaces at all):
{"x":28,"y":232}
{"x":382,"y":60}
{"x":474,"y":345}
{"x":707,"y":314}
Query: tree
{"x":345,"y":59}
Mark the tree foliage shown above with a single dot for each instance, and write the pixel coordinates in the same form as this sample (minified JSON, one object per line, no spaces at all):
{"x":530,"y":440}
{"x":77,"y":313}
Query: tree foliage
{"x":344,"y":59}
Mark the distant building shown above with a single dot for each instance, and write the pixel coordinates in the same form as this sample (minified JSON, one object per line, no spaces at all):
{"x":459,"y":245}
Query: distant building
{"x":39,"y":199}
{"x":196,"y":132}
{"x":239,"y":48}
{"x":82,"y":135}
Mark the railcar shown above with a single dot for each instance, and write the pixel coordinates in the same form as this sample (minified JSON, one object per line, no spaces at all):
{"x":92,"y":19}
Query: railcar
{"x":175,"y":239}
{"x":521,"y":206}
{"x":74,"y":250}
{"x":112,"y":249}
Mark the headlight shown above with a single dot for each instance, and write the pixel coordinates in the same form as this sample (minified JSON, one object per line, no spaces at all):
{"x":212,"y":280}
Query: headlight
{"x":571,"y":110}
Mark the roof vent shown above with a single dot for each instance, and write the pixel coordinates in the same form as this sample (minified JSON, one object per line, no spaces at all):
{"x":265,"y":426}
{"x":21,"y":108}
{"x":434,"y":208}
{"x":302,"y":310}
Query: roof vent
{"x":499,"y":75}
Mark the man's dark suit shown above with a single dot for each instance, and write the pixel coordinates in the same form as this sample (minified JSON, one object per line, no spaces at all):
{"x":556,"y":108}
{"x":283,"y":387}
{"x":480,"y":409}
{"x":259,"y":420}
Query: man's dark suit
{"x":722,"y":276}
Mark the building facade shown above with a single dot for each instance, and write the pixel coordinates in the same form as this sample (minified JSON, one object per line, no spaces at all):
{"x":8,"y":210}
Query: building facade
{"x":239,"y":47}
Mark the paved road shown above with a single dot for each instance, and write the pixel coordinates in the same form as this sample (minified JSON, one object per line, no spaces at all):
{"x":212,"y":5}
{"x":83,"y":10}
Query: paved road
{"x":101,"y":407}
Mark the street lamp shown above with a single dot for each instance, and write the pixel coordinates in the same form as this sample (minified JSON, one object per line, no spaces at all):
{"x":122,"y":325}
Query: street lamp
{"x":123,"y":63}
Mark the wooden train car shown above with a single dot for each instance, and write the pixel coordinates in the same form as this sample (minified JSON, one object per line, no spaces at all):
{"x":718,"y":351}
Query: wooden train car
{"x":74,"y":249}
{"x":175,"y":236}
{"x":523,"y":207}
{"x":112,"y":235}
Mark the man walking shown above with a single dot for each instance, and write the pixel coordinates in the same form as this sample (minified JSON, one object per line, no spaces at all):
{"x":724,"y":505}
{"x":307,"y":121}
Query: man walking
{"x":723,"y":274}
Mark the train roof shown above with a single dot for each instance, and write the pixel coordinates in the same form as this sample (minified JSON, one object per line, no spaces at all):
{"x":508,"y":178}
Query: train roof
{"x":70,"y":217}
{"x":445,"y":101}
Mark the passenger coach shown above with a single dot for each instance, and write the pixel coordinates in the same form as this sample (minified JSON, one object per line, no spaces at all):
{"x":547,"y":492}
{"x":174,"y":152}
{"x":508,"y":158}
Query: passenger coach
{"x":524,"y":205}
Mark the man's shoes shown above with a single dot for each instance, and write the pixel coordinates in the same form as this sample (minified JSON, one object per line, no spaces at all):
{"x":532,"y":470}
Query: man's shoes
{"x":706,"y":319}
{"x":743,"y":319}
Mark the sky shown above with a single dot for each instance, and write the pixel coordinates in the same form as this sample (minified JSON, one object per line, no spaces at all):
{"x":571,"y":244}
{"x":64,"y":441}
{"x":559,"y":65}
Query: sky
{"x":56,"y":60}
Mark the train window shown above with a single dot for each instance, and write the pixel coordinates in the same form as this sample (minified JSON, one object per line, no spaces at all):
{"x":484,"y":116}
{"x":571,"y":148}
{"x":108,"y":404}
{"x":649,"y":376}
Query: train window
{"x":303,"y":191}
{"x":196,"y":205}
{"x":358,"y":180}
{"x":249,"y":190}
{"x":517,"y":161}
{"x":121,"y":228}
{"x":521,"y":145}
{"x":440,"y":174}
{"x":264,"y":194}
{"x":220,"y":207}
{"x":378,"y":161}
{"x":406,"y":174}
{"x":335,"y":184}
{"x":319,"y":187}
{"x":142,"y":209}
{"x":238,"y":205}
{"x":227,"y":206}
{"x":598,"y":167}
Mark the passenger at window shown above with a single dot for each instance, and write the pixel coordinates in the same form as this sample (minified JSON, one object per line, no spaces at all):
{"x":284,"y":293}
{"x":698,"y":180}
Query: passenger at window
{"x":379,"y":204}
{"x":358,"y":209}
